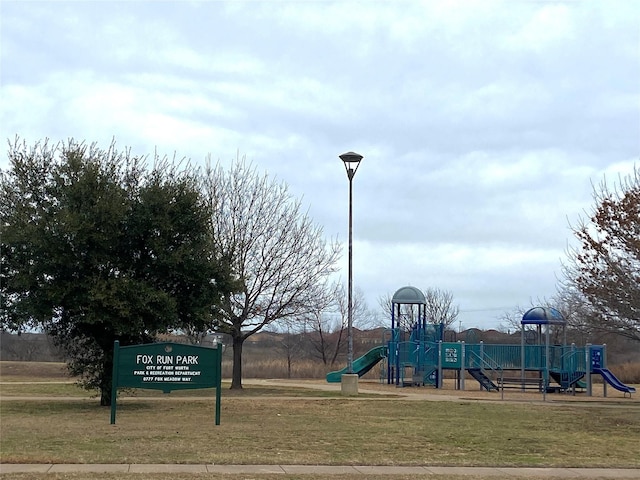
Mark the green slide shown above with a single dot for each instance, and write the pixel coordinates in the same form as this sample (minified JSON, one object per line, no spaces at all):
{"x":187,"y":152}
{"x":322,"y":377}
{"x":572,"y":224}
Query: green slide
{"x":361,"y":365}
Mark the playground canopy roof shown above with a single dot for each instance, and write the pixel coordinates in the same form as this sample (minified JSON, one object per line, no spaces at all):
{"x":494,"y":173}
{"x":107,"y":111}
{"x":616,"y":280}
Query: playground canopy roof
{"x":409,"y":296}
{"x":542,"y":316}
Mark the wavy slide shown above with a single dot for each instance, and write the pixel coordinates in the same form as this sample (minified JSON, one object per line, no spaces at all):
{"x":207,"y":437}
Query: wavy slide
{"x":361,"y":365}
{"x":612,"y":380}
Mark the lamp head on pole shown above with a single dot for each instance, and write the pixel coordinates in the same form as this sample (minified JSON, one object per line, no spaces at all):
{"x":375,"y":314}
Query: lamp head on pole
{"x":351,"y":163}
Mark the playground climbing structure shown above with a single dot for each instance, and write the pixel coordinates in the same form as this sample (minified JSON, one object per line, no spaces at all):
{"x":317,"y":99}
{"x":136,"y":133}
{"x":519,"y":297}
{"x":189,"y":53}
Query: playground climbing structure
{"x":417,"y":355}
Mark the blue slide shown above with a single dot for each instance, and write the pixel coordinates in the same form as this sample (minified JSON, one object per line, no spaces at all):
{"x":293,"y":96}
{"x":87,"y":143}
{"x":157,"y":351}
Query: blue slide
{"x":361,"y":365}
{"x":612,"y":380}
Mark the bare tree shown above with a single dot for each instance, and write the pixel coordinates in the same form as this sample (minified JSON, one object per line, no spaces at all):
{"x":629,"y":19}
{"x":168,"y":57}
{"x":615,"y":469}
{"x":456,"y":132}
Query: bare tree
{"x":510,"y":320}
{"x":279,"y":256}
{"x":577,"y":313}
{"x":292,"y":342}
{"x":329,"y":328}
{"x":440,"y":306}
{"x":328,"y":335}
{"x":605,"y":268}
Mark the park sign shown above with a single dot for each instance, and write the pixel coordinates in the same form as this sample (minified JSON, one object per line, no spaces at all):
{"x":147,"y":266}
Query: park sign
{"x":166,"y":366}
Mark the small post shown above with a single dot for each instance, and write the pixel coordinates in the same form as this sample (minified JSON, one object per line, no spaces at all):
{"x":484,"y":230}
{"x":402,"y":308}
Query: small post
{"x":463,"y":364}
{"x":114,"y":379}
{"x":397,"y":357}
{"x":481,"y":357}
{"x":349,"y":384}
{"x":545,"y":385}
{"x":218,"y":369}
{"x":574,"y":367}
{"x":440,"y":381}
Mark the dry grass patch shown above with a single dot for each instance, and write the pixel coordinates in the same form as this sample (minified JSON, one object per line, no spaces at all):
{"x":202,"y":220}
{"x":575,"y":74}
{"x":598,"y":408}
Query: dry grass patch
{"x":33,"y":372}
{"x":628,"y":372}
{"x":331,"y":431}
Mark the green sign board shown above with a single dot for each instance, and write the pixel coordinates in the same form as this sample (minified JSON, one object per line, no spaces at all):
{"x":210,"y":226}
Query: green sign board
{"x":166,"y":366}
{"x":451,"y":355}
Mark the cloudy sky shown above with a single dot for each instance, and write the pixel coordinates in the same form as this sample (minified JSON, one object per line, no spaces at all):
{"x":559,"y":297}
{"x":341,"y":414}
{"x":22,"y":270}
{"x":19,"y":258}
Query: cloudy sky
{"x":482,"y":124}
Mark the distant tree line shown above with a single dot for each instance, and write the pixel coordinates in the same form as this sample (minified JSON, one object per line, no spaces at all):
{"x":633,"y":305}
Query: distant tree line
{"x":29,"y":347}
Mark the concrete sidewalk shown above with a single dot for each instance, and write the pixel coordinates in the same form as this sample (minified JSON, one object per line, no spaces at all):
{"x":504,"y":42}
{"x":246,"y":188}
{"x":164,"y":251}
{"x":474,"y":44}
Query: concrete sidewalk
{"x":502,"y":472}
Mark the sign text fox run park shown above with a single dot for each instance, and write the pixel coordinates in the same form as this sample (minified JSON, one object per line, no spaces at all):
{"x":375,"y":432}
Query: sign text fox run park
{"x":166,"y":366}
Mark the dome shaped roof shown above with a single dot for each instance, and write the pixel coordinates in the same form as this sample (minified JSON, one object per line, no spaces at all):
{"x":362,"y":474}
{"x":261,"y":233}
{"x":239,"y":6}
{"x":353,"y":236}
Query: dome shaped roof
{"x":542,"y":316}
{"x":409,"y":296}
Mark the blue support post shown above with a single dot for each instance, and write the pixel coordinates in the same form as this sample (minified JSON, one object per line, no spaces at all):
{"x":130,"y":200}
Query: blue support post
{"x":589,"y":367}
{"x":604,"y":365}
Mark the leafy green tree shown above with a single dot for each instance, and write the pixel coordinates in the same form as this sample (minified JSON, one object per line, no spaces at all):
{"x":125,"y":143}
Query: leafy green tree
{"x":95,"y":248}
{"x":604,"y":270}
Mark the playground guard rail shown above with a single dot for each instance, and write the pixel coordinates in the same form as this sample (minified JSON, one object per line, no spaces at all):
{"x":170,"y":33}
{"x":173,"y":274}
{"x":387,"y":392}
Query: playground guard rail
{"x":485,"y":363}
{"x":573,"y":359}
{"x":510,"y":357}
{"x":423,"y":356}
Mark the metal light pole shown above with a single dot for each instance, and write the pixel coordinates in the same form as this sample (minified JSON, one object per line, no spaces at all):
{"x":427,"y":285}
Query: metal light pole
{"x":351,"y":163}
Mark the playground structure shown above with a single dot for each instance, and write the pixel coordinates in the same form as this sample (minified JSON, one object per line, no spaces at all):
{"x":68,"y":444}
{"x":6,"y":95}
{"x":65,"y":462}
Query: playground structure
{"x":417,"y":355}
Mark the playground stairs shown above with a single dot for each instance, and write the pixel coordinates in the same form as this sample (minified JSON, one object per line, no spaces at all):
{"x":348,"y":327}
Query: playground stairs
{"x":567,"y":380}
{"x":483,"y":379}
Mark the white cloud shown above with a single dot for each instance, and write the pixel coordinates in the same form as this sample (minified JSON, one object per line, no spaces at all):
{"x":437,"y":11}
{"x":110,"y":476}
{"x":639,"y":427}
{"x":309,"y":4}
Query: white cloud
{"x":550,"y":25}
{"x":483,"y":124}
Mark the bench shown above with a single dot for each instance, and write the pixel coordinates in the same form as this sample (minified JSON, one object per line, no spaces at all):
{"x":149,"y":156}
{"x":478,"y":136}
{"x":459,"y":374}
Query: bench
{"x":519,"y":382}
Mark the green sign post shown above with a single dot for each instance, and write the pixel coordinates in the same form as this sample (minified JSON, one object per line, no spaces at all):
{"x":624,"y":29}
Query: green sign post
{"x":166,"y":366}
